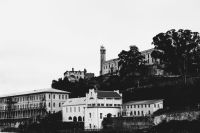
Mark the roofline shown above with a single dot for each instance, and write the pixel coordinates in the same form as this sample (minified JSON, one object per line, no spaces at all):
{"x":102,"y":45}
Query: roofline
{"x":156,"y":100}
{"x":31,"y":92}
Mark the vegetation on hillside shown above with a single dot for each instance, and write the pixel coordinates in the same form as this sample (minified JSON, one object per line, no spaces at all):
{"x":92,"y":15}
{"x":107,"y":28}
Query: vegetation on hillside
{"x":179,"y":51}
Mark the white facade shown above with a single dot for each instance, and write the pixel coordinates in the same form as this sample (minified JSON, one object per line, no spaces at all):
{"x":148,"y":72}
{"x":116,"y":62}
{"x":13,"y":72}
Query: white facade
{"x":77,"y":75}
{"x":20,"y":106}
{"x":94,"y":107}
{"x":112,"y":66}
{"x":74,"y":109}
{"x":142,"y":108}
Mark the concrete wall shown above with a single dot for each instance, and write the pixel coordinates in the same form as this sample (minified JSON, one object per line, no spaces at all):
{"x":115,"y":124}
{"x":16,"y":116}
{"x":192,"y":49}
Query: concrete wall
{"x":186,"y":115}
{"x":131,"y":123}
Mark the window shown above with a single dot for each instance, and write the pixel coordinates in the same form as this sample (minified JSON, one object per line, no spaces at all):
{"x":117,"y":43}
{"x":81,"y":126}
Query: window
{"x":49,"y":96}
{"x":59,"y":96}
{"x":90,"y":126}
{"x":149,"y":105}
{"x":90,"y":115}
{"x":141,"y":106}
{"x":138,"y":112}
{"x":79,"y":109}
{"x":98,"y":104}
{"x":101,"y":115}
{"x":70,"y":118}
{"x":70,"y":109}
{"x":59,"y":104}
{"x":54,"y":96}
{"x":138,"y":106}
{"x":54,"y":104}
{"x":158,"y":106}
{"x":49,"y":104}
{"x":102,"y":104}
{"x":74,"y":109}
{"x":65,"y":96}
{"x":154,"y":105}
{"x":149,"y":112}
{"x":62,"y":96}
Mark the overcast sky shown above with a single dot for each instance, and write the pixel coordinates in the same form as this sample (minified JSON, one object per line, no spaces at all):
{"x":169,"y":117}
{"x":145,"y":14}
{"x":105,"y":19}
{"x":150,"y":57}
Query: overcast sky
{"x":41,"y":39}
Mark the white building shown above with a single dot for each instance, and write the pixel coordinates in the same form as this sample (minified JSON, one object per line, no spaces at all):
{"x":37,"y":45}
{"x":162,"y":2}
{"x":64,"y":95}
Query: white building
{"x":112,"y":66}
{"x":74,"y":76}
{"x":74,"y":109}
{"x":142,"y":108}
{"x":93,"y":108}
{"x":29,"y":105}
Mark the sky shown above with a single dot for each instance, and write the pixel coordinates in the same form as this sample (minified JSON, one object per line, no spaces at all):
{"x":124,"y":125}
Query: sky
{"x":41,"y":39}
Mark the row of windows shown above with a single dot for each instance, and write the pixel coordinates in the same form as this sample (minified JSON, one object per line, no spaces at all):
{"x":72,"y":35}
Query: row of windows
{"x":102,"y":105}
{"x":108,"y":66}
{"x":54,"y":104}
{"x":75,"y":109}
{"x":138,"y":106}
{"x":25,"y":98}
{"x":23,"y":106}
{"x":74,"y":72}
{"x":59,"y":96}
{"x":101,"y":115}
{"x":137,"y":113}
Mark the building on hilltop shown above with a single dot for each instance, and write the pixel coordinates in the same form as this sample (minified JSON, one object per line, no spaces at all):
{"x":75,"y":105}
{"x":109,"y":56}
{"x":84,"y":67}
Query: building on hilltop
{"x":141,"y":108}
{"x":22,"y":107}
{"x":76,"y":75}
{"x":112,"y":66}
{"x":108,"y":66}
{"x":93,"y":108}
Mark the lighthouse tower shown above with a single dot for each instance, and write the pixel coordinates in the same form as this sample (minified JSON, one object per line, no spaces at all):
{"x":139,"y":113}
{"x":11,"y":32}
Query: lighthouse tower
{"x":102,"y":58}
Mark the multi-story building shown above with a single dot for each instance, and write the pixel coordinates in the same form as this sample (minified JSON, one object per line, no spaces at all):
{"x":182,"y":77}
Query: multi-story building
{"x":19,"y":107}
{"x":93,"y":108}
{"x":112,"y":66}
{"x":141,"y":108}
{"x":76,"y":75}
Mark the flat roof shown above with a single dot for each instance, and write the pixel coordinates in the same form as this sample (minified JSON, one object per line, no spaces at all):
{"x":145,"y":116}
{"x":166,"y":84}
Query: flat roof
{"x":143,"y":102}
{"x":46,"y":90}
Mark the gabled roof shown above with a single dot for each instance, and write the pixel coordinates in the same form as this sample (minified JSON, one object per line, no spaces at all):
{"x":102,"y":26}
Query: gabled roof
{"x":107,"y":94}
{"x":46,"y":90}
{"x":75,"y":101}
{"x":143,"y":102}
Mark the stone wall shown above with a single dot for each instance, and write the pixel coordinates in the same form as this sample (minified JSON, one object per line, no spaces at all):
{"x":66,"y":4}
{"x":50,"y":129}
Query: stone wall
{"x":186,"y":115}
{"x":131,"y":123}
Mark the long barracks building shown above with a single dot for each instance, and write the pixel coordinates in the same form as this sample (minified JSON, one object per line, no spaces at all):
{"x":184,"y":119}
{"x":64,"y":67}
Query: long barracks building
{"x":21,"y":107}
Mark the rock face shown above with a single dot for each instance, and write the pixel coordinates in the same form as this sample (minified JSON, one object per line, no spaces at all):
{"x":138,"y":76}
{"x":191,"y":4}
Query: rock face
{"x":187,"y":115}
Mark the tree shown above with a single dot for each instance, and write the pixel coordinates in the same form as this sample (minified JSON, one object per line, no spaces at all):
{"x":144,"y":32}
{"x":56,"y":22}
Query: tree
{"x":177,"y":50}
{"x":130,"y":61}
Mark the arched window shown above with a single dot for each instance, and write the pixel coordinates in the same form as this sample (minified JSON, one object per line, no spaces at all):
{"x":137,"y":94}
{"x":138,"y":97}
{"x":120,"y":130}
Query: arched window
{"x":79,"y":118}
{"x":131,"y":113}
{"x":109,"y":115}
{"x":74,"y":119}
{"x":70,"y":118}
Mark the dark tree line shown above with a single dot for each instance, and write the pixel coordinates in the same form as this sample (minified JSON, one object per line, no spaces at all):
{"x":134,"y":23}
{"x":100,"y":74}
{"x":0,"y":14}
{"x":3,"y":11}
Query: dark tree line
{"x":179,"y":53}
